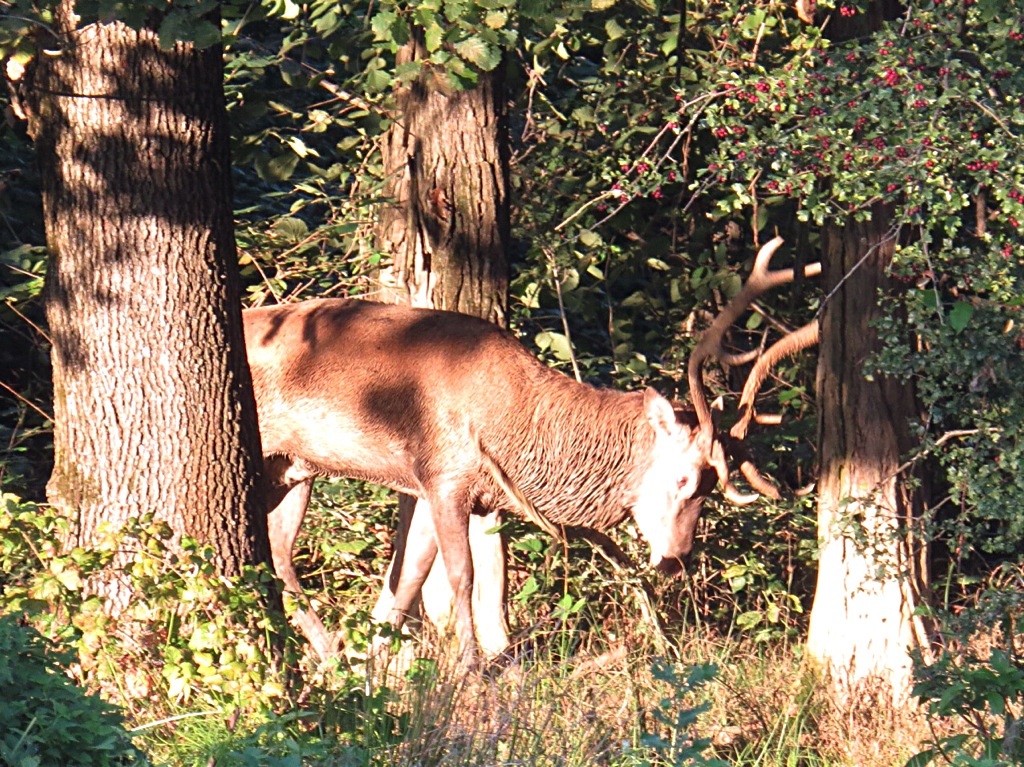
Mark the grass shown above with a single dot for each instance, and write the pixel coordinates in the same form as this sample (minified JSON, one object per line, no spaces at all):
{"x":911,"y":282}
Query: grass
{"x":762,"y":709}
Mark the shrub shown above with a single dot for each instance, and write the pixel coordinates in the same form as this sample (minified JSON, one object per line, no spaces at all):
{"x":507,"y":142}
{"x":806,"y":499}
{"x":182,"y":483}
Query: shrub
{"x":49,"y":720}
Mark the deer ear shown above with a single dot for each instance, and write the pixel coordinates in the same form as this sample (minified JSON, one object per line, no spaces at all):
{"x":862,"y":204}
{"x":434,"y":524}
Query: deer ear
{"x":659,"y":412}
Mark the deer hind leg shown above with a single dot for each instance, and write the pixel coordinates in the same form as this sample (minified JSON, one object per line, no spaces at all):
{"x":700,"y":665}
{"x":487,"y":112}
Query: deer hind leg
{"x":287,"y":510}
{"x":287,"y":506}
{"x":436,"y":598}
{"x":420,"y":553}
{"x":407,"y":505}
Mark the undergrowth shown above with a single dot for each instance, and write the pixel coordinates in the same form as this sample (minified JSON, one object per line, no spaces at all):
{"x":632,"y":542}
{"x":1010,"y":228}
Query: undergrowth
{"x":205,"y":674}
{"x":611,"y":667}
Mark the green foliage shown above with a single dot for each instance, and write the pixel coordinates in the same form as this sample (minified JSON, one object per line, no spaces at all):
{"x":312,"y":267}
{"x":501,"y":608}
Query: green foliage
{"x":676,"y":745}
{"x":188,"y":645}
{"x":980,"y":684}
{"x":211,"y":638}
{"x":47,"y":719}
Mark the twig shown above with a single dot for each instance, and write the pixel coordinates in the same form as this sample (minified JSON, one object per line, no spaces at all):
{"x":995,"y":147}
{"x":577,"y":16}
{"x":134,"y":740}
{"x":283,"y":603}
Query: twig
{"x":27,"y":402}
{"x":27,"y":321}
{"x":168,"y":720}
{"x":561,"y":313}
{"x":955,"y":434}
{"x":891,"y":235}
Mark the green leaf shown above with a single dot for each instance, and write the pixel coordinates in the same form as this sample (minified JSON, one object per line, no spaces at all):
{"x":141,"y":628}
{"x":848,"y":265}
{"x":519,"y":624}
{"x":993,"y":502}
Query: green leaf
{"x":291,"y":10}
{"x":496,"y":19}
{"x":960,"y":315}
{"x":584,"y":114}
{"x":530,"y":587}
{"x":762,"y":218}
{"x":175,"y":26}
{"x":556,"y":342}
{"x":731,"y":284}
{"x":921,"y":759}
{"x":70,"y":579}
{"x":478,"y":52}
{"x":751,"y":23}
{"x":378,"y":80}
{"x":278,"y":168}
{"x":433,"y":36}
{"x":292,"y":229}
{"x":205,"y":34}
{"x":613,"y":29}
{"x":382,"y":23}
{"x":748,"y":619}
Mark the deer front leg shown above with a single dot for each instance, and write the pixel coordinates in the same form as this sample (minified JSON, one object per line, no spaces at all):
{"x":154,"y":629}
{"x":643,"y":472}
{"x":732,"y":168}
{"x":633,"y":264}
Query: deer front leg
{"x":490,"y":579}
{"x":451,"y":525}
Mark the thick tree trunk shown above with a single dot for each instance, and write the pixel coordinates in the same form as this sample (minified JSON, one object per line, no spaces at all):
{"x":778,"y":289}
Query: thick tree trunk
{"x":870,"y":573}
{"x":153,"y":403}
{"x":447,"y":229}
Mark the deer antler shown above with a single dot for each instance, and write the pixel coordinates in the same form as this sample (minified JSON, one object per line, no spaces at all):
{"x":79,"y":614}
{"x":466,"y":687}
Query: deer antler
{"x":710,"y":345}
{"x":787,"y":346}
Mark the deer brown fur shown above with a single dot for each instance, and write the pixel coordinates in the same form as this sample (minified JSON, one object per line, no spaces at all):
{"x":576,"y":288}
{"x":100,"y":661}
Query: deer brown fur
{"x":453,"y":410}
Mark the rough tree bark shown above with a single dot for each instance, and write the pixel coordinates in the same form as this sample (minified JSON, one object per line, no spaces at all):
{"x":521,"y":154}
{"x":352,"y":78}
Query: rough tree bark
{"x":153,"y":403}
{"x":871,"y":570}
{"x":447,"y":229}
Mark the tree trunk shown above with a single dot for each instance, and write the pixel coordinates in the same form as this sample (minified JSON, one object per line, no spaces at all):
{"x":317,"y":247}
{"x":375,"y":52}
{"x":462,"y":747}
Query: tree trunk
{"x":870,"y":572}
{"x":447,"y":229}
{"x":153,"y":404}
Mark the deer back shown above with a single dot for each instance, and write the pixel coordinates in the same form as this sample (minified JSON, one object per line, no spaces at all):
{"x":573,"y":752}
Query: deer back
{"x":380,"y":392}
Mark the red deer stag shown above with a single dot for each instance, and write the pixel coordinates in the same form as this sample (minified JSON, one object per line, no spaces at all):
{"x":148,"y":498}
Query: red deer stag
{"x":454,"y":411}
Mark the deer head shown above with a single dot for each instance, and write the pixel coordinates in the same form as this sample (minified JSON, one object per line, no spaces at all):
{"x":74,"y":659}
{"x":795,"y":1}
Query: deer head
{"x":703,"y":453}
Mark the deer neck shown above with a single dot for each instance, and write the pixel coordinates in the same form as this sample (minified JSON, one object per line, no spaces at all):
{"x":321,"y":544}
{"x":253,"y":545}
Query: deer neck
{"x":578,"y":453}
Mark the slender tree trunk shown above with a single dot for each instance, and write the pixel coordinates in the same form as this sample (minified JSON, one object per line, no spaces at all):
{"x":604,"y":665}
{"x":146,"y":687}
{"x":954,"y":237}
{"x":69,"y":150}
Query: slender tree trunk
{"x":153,"y":403}
{"x":447,"y":225}
{"x":871,"y":569}
{"x":447,"y":229}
